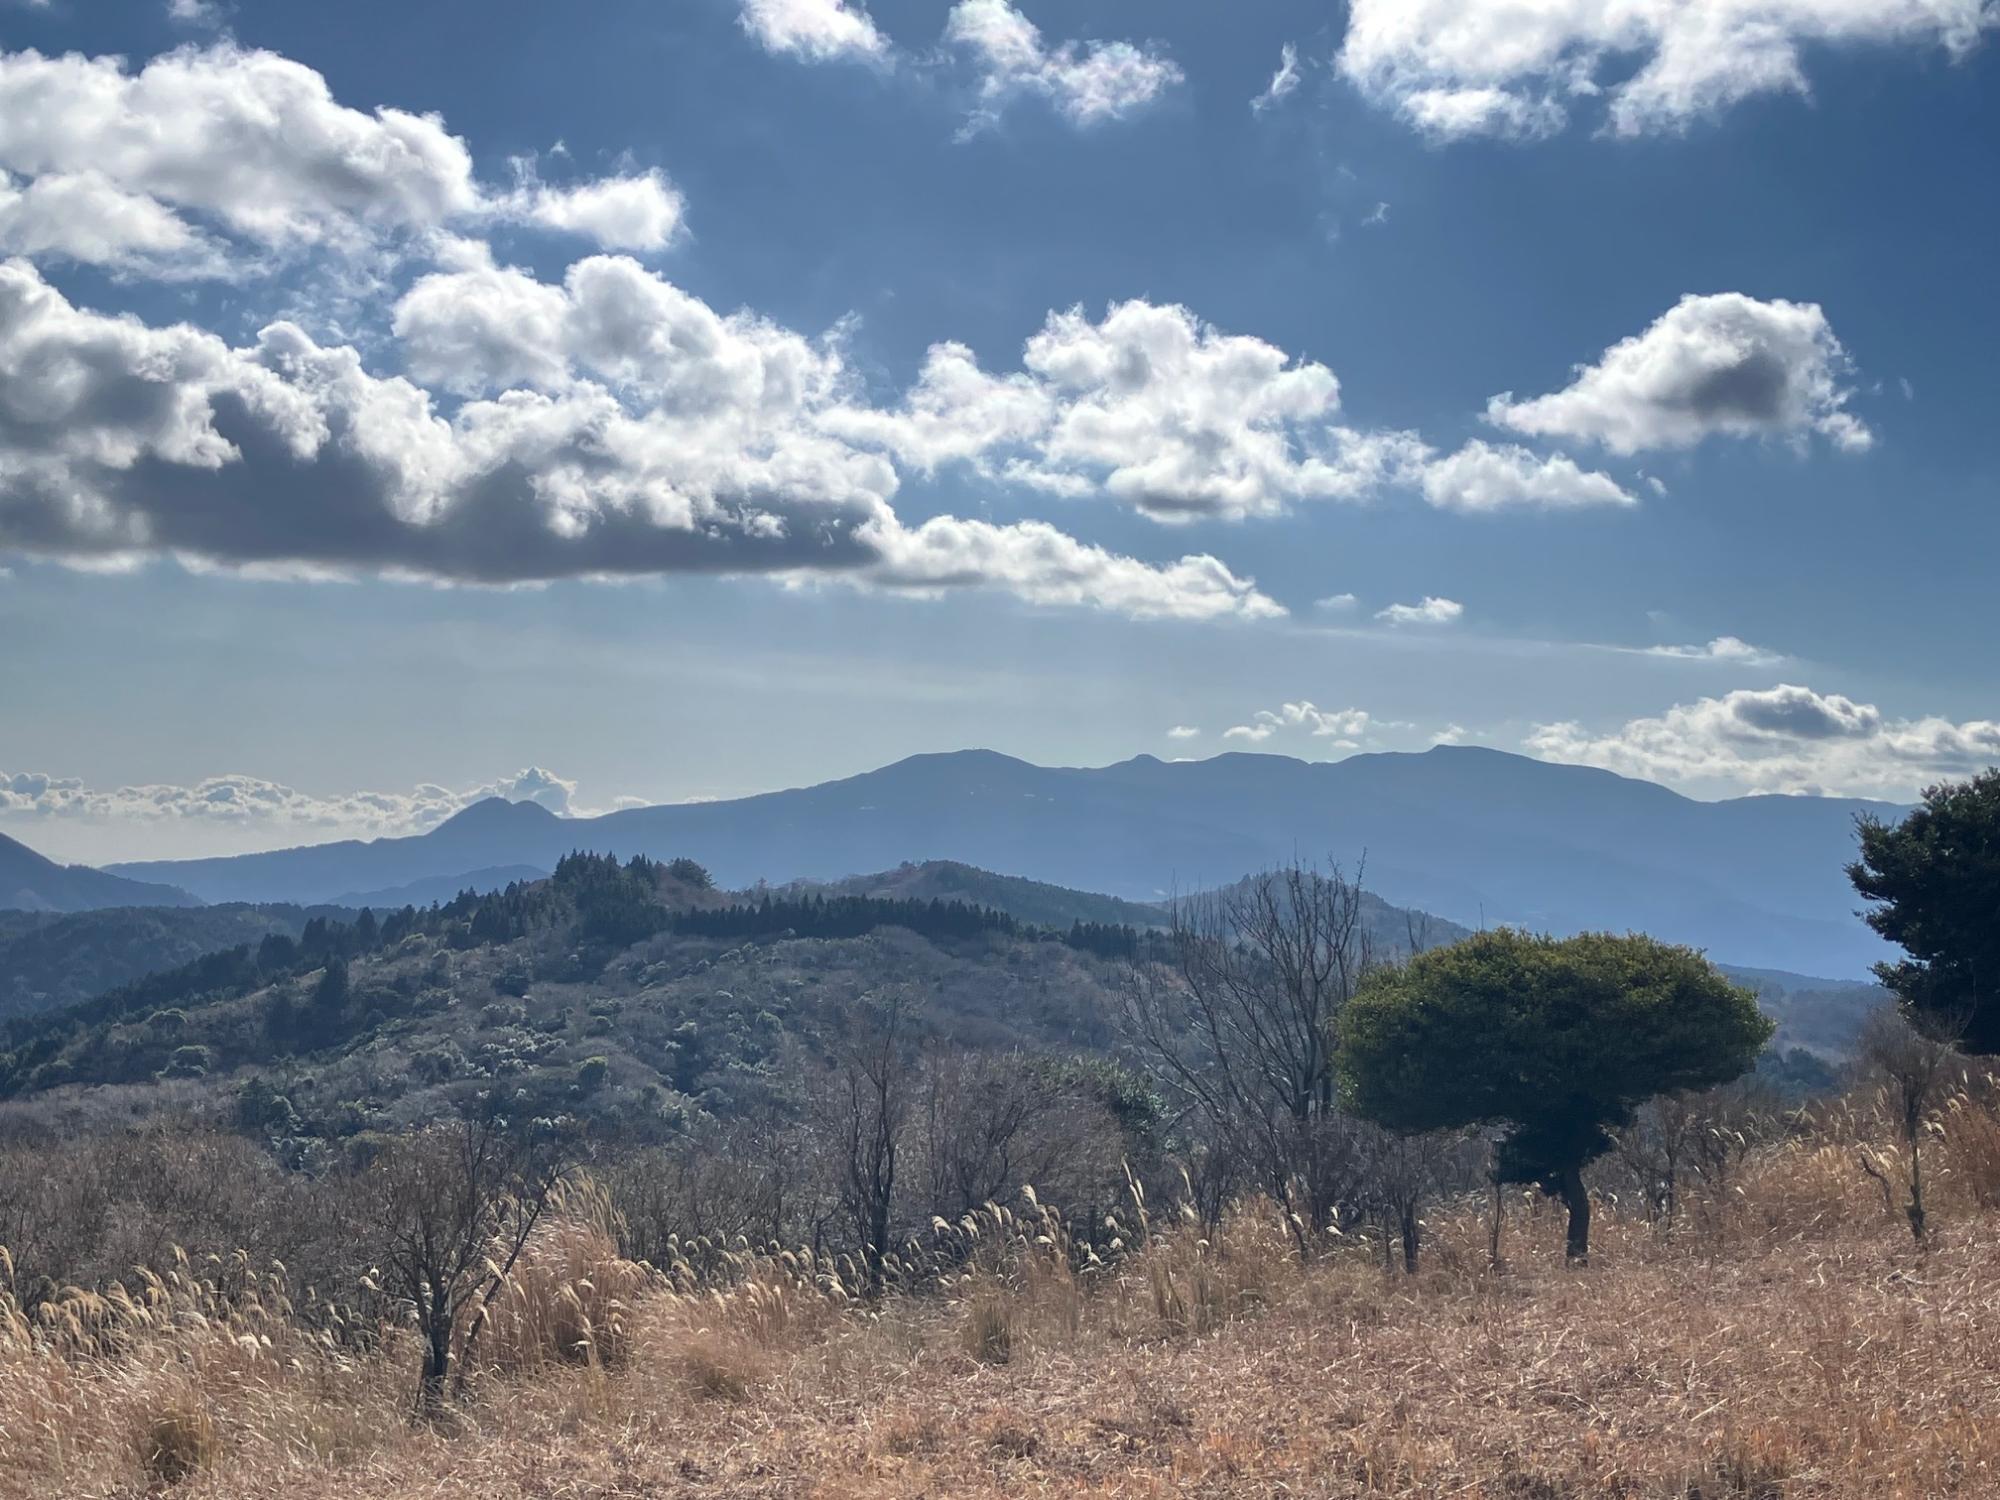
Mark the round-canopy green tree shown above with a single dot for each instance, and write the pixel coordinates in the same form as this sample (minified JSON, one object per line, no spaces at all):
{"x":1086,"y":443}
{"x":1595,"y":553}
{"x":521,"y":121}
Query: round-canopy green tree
{"x":1935,"y":882}
{"x":1557,"y":1039}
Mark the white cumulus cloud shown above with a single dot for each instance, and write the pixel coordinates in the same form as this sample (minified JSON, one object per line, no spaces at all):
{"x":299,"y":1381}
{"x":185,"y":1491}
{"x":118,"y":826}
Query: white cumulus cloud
{"x":1722,"y":365}
{"x":1431,"y":610}
{"x":206,"y":145}
{"x":614,"y":426}
{"x":815,"y":30}
{"x":85,"y":216}
{"x":1150,"y":406}
{"x":638,"y":211}
{"x":1346,"y":727}
{"x":1484,"y":477}
{"x":1034,"y":561}
{"x":194,"y":12}
{"x":1457,"y":68}
{"x":1087,"y":83}
{"x":1781,"y":739}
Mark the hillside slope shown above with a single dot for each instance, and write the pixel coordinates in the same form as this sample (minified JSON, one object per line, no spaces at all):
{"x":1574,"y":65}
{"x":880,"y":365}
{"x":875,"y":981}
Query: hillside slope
{"x":49,"y":960}
{"x":1034,"y":901}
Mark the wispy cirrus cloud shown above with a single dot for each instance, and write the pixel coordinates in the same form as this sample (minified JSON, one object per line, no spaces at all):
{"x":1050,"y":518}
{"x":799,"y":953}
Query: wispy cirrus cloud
{"x":1724,"y":648}
{"x":1284,"y":83}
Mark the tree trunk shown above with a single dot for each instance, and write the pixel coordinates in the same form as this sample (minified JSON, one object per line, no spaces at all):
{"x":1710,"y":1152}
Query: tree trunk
{"x":1411,"y":1235}
{"x":437,"y":1366}
{"x":1576,"y":1197}
{"x":1916,"y":1209}
{"x":878,"y":1243}
{"x":1287,"y":1200}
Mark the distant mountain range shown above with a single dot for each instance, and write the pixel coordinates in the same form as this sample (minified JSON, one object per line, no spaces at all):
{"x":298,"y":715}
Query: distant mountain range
{"x":29,"y":882}
{"x":1473,"y":835}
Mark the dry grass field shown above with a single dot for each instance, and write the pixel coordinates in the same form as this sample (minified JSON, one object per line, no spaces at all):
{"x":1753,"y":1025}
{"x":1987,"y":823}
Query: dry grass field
{"x":1784,"y":1338}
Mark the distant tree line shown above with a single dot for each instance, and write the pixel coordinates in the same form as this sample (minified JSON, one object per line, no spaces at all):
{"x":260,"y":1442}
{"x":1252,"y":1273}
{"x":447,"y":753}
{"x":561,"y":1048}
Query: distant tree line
{"x":844,"y":917}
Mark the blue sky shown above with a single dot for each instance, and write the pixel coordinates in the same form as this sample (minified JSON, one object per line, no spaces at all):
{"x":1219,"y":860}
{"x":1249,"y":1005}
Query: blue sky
{"x":697,"y":398}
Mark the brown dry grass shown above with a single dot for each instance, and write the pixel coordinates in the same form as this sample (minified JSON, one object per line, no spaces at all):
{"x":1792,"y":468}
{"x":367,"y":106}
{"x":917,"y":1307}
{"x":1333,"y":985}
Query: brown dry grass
{"x":1788,"y":1341}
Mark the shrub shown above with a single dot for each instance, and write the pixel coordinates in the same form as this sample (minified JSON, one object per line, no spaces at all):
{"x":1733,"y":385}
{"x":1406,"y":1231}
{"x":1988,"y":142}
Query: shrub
{"x":719,"y":1366}
{"x":187,"y":1062}
{"x":176,"y":1438}
{"x":988,"y":1332}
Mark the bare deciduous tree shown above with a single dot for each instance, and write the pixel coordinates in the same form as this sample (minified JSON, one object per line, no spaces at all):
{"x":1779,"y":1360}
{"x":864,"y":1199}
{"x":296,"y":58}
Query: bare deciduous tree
{"x":1656,"y":1147}
{"x":1400,"y":1173}
{"x":1691,"y":1137}
{"x":1240,"y":1027}
{"x":988,"y":1125}
{"x":1913,"y":1065}
{"x":457,"y":1203}
{"x":866,"y":1105}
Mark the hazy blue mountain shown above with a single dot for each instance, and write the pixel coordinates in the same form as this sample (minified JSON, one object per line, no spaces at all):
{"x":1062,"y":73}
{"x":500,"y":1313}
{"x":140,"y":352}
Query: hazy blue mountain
{"x":30,"y":882}
{"x":1473,"y":835}
{"x":441,"y":888}
{"x":484,"y":836}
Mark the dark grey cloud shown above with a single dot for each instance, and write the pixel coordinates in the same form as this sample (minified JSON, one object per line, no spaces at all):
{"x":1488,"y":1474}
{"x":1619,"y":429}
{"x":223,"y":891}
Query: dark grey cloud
{"x":119,"y":440}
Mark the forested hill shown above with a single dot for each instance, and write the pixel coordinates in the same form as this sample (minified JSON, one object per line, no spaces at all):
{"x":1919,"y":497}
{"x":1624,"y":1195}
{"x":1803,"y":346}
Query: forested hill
{"x":631,"y":992}
{"x":49,"y":960}
{"x":576,"y":922}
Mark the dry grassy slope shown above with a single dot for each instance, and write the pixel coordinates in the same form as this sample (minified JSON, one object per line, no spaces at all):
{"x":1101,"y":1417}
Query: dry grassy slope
{"x":1786,"y":1343}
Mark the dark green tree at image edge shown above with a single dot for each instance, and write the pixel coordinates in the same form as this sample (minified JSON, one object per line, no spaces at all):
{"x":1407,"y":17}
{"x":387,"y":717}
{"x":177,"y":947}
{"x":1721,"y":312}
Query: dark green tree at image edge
{"x":1556,"y":1041}
{"x":1934,"y":881}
